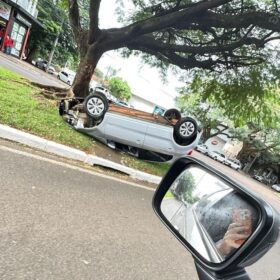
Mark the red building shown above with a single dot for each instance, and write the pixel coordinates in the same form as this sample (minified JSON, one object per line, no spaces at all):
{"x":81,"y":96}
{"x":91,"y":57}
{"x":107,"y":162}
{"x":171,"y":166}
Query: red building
{"x":16,"y":20}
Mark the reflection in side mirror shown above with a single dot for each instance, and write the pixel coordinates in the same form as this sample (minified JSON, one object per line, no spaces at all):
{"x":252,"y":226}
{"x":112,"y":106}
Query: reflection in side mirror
{"x":209,"y":214}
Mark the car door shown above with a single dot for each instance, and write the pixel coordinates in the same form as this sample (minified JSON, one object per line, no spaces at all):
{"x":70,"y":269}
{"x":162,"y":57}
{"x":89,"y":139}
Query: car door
{"x":159,"y":138}
{"x":124,"y":129}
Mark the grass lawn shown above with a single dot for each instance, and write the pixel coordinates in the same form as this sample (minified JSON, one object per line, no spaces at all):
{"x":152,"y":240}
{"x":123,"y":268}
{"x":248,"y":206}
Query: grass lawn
{"x":23,"y":107}
{"x":155,"y":168}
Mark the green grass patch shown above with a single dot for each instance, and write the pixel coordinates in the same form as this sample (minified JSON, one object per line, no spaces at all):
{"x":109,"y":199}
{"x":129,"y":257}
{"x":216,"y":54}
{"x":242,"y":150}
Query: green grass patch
{"x":8,"y":75}
{"x":22,"y":107}
{"x":155,"y":168}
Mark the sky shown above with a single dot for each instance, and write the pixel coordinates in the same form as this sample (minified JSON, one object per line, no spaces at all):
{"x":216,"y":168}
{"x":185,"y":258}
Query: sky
{"x":143,"y":80}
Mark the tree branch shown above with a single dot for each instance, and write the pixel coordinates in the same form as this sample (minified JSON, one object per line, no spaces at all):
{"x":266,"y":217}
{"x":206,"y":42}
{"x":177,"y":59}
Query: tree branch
{"x":94,"y":30}
{"x":74,"y":17}
{"x":263,"y":20}
{"x":159,"y":23}
{"x":149,"y":42}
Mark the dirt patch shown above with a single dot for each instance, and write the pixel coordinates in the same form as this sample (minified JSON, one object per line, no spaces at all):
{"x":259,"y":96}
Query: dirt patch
{"x":100,"y":150}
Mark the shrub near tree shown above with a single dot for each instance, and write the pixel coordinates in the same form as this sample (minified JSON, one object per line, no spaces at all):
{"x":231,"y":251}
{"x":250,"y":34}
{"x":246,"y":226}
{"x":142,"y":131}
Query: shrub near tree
{"x":120,"y":88}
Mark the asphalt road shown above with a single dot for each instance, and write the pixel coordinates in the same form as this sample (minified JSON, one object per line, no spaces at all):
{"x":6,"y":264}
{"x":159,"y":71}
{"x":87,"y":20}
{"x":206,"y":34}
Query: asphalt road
{"x":29,"y":71}
{"x":62,"y":223}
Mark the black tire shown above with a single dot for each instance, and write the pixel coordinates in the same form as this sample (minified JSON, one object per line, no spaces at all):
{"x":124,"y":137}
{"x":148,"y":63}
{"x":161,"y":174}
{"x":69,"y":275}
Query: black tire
{"x":186,"y":128}
{"x":172,"y":114}
{"x":96,"y":105}
{"x":61,"y":108}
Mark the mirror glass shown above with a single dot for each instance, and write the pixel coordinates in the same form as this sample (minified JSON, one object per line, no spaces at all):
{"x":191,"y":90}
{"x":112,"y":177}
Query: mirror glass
{"x":209,"y":214}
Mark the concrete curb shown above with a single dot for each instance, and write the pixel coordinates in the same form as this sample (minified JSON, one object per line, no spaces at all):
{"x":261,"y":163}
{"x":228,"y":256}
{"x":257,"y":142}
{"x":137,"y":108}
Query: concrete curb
{"x":42,"y":144}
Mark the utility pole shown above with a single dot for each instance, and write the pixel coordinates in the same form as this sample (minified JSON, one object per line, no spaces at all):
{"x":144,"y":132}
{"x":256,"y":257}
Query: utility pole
{"x":54,"y":46}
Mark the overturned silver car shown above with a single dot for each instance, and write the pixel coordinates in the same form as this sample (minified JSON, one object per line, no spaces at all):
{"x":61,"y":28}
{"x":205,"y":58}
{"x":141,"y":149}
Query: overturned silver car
{"x":144,"y":135}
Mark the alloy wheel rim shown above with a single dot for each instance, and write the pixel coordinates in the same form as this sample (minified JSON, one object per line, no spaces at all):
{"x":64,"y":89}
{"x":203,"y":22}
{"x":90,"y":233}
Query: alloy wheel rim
{"x":187,"y":129}
{"x":95,"y":106}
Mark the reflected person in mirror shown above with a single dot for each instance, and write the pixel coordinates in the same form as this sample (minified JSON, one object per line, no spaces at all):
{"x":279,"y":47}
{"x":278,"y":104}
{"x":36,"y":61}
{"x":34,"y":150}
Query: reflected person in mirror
{"x":238,"y":231}
{"x":230,"y":242}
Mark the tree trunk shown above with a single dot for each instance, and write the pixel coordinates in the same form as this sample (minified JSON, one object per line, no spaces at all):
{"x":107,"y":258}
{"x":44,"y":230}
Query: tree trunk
{"x":85,"y":71}
{"x":206,"y":134}
{"x":245,"y":152}
{"x":31,"y":54}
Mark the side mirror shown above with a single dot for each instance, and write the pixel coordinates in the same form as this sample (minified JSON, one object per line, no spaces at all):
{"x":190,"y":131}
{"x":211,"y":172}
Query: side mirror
{"x":222,"y":224}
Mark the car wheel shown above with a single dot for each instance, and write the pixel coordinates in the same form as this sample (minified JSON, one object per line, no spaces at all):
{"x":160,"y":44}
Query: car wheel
{"x":186,"y":128}
{"x":172,"y":114}
{"x":61,"y":107}
{"x":96,"y":106}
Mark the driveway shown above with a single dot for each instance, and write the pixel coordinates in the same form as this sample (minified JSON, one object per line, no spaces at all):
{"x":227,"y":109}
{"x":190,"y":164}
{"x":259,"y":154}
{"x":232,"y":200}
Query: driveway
{"x":29,"y":71}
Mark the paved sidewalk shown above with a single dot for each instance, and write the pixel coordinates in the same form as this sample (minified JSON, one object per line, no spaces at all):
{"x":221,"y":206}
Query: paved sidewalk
{"x":42,"y":144}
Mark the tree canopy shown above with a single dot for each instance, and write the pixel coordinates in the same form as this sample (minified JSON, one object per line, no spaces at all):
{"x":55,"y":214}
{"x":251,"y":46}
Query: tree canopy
{"x":213,"y":35}
{"x":55,"y":22}
{"x":236,"y":98}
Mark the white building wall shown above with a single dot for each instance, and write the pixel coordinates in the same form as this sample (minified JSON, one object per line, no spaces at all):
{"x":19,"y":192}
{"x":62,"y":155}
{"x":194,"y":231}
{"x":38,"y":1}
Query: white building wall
{"x":29,"y":6}
{"x":141,"y":104}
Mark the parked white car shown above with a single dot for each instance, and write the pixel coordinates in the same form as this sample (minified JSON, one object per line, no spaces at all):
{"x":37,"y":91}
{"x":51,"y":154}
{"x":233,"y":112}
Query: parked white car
{"x":203,"y":149}
{"x":217,"y":156}
{"x":276,"y":187}
{"x":233,"y":163}
{"x":66,"y":76}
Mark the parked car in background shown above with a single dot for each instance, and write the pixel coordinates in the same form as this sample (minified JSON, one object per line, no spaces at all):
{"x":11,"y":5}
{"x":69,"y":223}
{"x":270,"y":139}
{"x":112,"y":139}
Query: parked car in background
{"x":233,"y":163}
{"x":41,"y":64}
{"x":66,"y":76}
{"x":259,"y":178}
{"x":203,"y":149}
{"x":51,"y":70}
{"x":217,"y":156}
{"x":276,"y":187}
{"x":101,"y":89}
{"x":111,"y":98}
{"x":123,"y":103}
